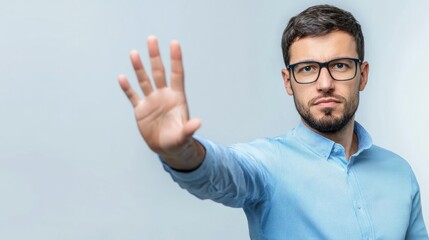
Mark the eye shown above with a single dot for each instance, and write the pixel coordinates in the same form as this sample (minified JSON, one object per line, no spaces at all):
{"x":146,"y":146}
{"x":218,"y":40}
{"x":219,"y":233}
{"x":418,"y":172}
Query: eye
{"x":306,"y":68}
{"x":339,"y":65}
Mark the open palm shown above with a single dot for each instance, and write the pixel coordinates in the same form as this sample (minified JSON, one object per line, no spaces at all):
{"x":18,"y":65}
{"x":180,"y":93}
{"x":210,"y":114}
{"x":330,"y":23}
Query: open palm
{"x":162,"y":115}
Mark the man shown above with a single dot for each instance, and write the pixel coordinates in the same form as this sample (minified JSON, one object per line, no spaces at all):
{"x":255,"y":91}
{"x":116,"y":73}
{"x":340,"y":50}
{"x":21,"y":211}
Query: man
{"x":322,"y":180}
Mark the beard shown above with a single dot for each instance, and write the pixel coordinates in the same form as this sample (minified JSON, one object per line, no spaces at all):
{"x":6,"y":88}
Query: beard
{"x":329,"y":123}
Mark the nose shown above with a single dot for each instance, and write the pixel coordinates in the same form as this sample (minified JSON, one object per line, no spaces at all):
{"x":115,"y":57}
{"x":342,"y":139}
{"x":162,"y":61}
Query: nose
{"x":325,"y":83}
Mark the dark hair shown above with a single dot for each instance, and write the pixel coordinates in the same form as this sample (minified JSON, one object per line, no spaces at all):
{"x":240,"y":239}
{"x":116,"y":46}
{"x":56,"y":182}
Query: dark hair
{"x":320,"y":20}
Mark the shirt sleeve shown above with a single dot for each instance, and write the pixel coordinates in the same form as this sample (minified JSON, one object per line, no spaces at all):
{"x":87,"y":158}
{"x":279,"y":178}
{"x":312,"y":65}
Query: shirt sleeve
{"x":227,"y":175}
{"x":416,"y":228}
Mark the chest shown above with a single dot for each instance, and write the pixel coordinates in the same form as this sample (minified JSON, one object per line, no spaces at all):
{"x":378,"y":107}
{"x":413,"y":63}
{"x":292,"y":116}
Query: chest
{"x":325,"y":200}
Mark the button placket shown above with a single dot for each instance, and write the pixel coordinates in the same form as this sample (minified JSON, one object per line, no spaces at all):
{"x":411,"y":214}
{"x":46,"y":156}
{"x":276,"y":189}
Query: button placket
{"x":358,"y":205}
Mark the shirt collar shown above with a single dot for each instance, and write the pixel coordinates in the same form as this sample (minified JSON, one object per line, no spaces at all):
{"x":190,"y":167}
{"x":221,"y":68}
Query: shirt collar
{"x":322,"y":146}
{"x":365,"y":140}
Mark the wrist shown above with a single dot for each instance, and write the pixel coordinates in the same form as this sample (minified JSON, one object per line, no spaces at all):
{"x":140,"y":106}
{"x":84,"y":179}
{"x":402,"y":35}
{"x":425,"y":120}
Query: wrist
{"x":187,"y":158}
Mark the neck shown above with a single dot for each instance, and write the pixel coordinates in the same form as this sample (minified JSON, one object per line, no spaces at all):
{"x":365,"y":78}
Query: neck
{"x":346,"y":137}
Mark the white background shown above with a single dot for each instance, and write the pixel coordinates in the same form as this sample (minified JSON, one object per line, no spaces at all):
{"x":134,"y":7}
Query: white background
{"x":72,"y":163}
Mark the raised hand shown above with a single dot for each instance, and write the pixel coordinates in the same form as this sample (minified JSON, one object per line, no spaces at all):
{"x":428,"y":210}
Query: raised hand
{"x":163,"y":116}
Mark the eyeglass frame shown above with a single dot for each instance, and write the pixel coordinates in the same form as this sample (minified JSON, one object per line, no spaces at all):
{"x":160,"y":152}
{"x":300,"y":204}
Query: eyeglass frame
{"x":291,"y":68}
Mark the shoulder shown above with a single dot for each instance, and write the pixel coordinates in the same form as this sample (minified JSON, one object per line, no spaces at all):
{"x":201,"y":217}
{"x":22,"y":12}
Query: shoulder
{"x":390,"y":168}
{"x":384,"y":155}
{"x":386,"y":160}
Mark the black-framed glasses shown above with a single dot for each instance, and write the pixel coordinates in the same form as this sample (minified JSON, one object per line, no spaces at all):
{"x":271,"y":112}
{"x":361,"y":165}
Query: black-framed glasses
{"x":340,"y":69}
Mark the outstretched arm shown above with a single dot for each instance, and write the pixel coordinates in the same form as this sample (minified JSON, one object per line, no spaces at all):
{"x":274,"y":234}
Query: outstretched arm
{"x":163,"y":115}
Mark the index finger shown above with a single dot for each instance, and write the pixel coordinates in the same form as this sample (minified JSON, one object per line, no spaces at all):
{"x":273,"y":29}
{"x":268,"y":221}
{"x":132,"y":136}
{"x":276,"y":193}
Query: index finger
{"x":177,"y":72}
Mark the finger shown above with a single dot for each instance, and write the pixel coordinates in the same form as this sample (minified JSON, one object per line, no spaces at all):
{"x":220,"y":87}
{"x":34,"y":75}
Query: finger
{"x":177,"y":72}
{"x":142,"y":77}
{"x":158,"y":71}
{"x":191,"y":127}
{"x":128,"y":90}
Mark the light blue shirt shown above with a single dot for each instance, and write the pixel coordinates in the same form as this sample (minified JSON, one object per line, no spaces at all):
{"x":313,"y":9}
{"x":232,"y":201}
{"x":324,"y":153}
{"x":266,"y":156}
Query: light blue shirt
{"x":300,"y":186}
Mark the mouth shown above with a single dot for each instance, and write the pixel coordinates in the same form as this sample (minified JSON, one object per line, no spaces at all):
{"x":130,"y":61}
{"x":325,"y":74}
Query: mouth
{"x":325,"y":102}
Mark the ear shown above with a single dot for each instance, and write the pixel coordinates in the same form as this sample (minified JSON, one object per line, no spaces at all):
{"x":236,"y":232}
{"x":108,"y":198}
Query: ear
{"x":364,"y":71}
{"x":287,"y":82}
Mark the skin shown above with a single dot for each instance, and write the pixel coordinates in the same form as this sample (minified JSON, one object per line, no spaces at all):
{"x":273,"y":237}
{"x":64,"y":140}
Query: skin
{"x":162,"y":116}
{"x":327,"y":99}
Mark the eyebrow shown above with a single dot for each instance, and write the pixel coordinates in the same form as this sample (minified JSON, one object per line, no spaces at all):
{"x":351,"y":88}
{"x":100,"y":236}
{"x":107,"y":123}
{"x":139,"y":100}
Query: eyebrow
{"x":313,"y":60}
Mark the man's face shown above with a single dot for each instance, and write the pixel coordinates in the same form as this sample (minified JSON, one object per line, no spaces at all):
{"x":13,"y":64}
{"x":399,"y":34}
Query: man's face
{"x":326,"y":105}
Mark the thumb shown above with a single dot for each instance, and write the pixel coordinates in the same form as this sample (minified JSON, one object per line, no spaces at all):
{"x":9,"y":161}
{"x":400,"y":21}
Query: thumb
{"x":191,"y":127}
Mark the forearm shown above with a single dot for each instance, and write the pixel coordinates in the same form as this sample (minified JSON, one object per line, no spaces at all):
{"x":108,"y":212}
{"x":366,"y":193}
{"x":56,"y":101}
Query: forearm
{"x":227,"y":176}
